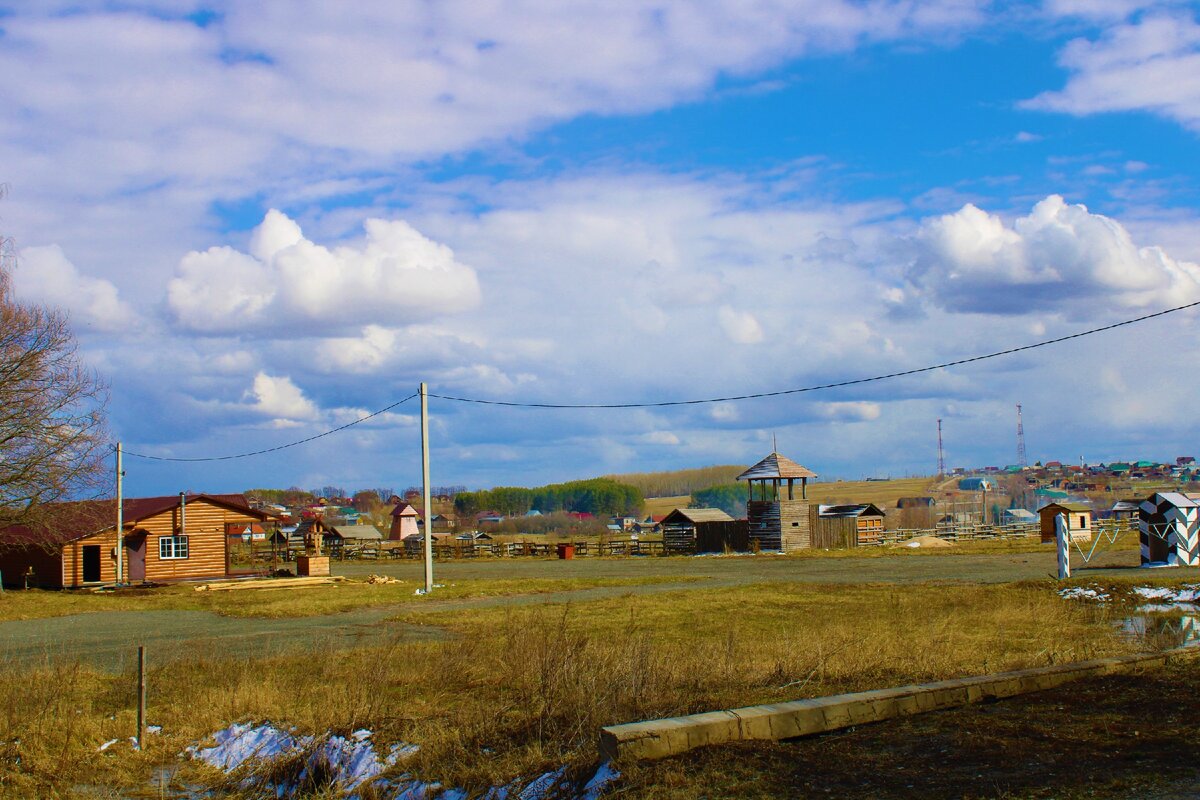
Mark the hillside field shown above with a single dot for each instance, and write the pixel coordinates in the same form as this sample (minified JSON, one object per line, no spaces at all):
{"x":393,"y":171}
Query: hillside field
{"x":882,"y":493}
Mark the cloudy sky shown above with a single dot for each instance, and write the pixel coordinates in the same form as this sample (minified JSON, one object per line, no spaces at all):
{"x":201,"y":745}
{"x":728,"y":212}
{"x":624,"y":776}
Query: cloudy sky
{"x":267,"y":219}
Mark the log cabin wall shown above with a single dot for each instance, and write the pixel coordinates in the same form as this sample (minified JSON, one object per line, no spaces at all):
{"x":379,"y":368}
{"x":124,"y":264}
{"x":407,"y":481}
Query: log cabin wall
{"x":779,"y":525}
{"x":72,"y":558}
{"x":207,"y":541}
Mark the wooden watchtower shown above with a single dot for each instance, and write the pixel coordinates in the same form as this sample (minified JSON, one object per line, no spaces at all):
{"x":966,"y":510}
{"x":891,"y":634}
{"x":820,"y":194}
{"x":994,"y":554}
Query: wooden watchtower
{"x":777,"y":518}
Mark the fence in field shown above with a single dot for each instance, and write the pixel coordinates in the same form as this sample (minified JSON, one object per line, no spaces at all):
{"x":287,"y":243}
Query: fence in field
{"x":264,"y":556}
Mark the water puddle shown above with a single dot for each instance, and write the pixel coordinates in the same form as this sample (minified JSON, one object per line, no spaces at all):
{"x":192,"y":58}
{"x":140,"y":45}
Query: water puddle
{"x":1164,"y":625}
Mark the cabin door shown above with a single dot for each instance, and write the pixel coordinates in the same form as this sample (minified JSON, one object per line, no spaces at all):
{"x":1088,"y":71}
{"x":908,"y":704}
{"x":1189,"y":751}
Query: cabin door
{"x":135,"y":554}
{"x":91,"y":563}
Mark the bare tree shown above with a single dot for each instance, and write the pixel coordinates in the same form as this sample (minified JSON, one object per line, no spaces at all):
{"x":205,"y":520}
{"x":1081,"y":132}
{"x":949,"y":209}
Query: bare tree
{"x":53,"y":433}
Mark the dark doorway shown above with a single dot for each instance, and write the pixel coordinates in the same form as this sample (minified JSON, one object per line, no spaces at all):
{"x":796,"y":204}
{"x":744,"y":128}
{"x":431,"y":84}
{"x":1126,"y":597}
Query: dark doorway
{"x":91,"y":563}
{"x":135,"y":553}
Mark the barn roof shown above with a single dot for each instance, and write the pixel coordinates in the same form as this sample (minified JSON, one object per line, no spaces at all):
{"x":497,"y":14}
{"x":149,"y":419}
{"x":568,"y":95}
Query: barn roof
{"x":694,"y":515}
{"x":855,"y":510}
{"x":357,"y":532}
{"x":66,"y":522}
{"x":776,"y":466}
{"x":1078,"y":507}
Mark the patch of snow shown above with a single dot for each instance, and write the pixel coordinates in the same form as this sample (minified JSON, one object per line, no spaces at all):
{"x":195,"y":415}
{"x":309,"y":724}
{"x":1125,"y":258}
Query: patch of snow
{"x":540,"y":786}
{"x":605,"y":775}
{"x":351,"y":761}
{"x":1080,"y":593}
{"x":155,"y":729}
{"x":107,"y":745}
{"x":912,"y":544}
{"x":1184,"y":594}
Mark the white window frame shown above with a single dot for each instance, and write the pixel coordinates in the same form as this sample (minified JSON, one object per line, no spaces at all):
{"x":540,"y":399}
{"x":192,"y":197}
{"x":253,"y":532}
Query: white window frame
{"x":173,"y":548}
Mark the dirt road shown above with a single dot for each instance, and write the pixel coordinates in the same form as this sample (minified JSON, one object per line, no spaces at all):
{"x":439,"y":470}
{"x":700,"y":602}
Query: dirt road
{"x":109,"y":639}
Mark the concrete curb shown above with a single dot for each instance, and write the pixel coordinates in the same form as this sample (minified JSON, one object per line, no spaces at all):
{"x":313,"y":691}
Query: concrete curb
{"x":667,"y":737}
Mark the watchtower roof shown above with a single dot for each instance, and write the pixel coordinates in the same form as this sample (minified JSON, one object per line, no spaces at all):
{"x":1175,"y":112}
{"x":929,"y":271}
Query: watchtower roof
{"x":776,"y":466}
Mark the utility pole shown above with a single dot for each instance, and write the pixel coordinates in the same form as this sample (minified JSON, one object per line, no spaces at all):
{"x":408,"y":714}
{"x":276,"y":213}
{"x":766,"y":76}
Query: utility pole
{"x":941,"y":454}
{"x":120,"y":519}
{"x":425,"y":489}
{"x":1022,"y":459}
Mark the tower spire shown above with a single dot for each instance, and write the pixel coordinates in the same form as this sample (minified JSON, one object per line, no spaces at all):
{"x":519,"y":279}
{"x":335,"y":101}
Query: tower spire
{"x":1022,"y":459}
{"x":941,"y":454}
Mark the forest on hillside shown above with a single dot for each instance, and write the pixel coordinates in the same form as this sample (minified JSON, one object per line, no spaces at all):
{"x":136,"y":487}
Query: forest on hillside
{"x":600,"y":496}
{"x":680,"y":481}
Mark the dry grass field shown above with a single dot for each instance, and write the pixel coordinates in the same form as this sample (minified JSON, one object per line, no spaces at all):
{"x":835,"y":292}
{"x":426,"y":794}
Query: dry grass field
{"x":512,"y":689}
{"x":882,"y":493}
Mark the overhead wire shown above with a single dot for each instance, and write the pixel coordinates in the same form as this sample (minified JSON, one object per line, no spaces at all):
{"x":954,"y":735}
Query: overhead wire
{"x":692,"y":402}
{"x":823,"y":386}
{"x":278,"y":447}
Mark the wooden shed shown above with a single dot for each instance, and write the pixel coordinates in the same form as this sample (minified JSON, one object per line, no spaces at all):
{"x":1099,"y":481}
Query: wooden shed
{"x":1079,"y":520}
{"x":777,"y":518}
{"x":836,"y":527}
{"x":164,"y":540}
{"x":702,"y":530}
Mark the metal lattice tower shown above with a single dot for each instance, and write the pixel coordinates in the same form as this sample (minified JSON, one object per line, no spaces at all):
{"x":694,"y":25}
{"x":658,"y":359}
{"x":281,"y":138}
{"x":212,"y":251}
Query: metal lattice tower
{"x":1022,"y":459}
{"x":941,"y":454}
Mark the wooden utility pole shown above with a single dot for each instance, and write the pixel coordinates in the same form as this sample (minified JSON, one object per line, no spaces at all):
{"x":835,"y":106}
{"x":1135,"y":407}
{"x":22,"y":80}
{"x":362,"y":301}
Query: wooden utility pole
{"x":425,"y":491}
{"x":120,"y":519}
{"x":141,"y":710}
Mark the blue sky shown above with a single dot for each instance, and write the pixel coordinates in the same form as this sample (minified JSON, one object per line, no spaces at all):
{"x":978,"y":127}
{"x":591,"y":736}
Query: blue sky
{"x":269,"y":219}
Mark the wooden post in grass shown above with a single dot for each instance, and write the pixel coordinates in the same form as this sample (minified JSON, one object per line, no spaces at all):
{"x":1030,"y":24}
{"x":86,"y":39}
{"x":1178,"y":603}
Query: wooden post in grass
{"x":1063,"y":535}
{"x":141,"y":702}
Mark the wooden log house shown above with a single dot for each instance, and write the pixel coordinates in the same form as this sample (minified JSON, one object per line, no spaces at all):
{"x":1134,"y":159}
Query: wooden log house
{"x":164,"y":540}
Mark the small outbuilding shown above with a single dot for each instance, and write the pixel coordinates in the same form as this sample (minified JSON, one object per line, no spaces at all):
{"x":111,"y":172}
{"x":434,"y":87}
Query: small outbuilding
{"x":1018,"y":516}
{"x":842,"y":526}
{"x":1078,"y":517}
{"x":701,"y":530}
{"x":404,"y":522}
{"x":355,"y":534}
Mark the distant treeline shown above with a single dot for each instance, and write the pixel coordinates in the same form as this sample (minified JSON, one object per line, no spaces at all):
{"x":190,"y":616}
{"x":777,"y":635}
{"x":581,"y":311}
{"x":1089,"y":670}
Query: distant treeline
{"x":680,"y":481}
{"x":729,"y":497}
{"x":600,"y":496}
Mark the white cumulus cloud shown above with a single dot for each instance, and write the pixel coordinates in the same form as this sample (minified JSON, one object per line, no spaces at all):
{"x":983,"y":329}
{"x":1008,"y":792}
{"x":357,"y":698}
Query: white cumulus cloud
{"x":1058,"y":255}
{"x":1149,"y":65}
{"x":289,"y":283}
{"x":278,"y":397}
{"x":741,"y":327}
{"x":46,"y":276}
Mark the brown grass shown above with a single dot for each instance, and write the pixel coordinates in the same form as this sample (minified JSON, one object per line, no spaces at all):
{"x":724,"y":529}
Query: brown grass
{"x":523,"y":689}
{"x":289,"y":602}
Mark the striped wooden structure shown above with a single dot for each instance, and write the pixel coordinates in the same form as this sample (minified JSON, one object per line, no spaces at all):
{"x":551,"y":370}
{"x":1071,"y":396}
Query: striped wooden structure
{"x":1169,"y":530}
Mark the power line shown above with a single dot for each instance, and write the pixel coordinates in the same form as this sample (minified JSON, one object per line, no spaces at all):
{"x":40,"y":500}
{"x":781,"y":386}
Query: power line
{"x":701,"y":401}
{"x":823,"y":386}
{"x":282,"y":446}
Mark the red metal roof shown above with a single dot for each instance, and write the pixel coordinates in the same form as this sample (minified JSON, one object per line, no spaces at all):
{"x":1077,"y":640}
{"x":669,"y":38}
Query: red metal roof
{"x":66,"y":522}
